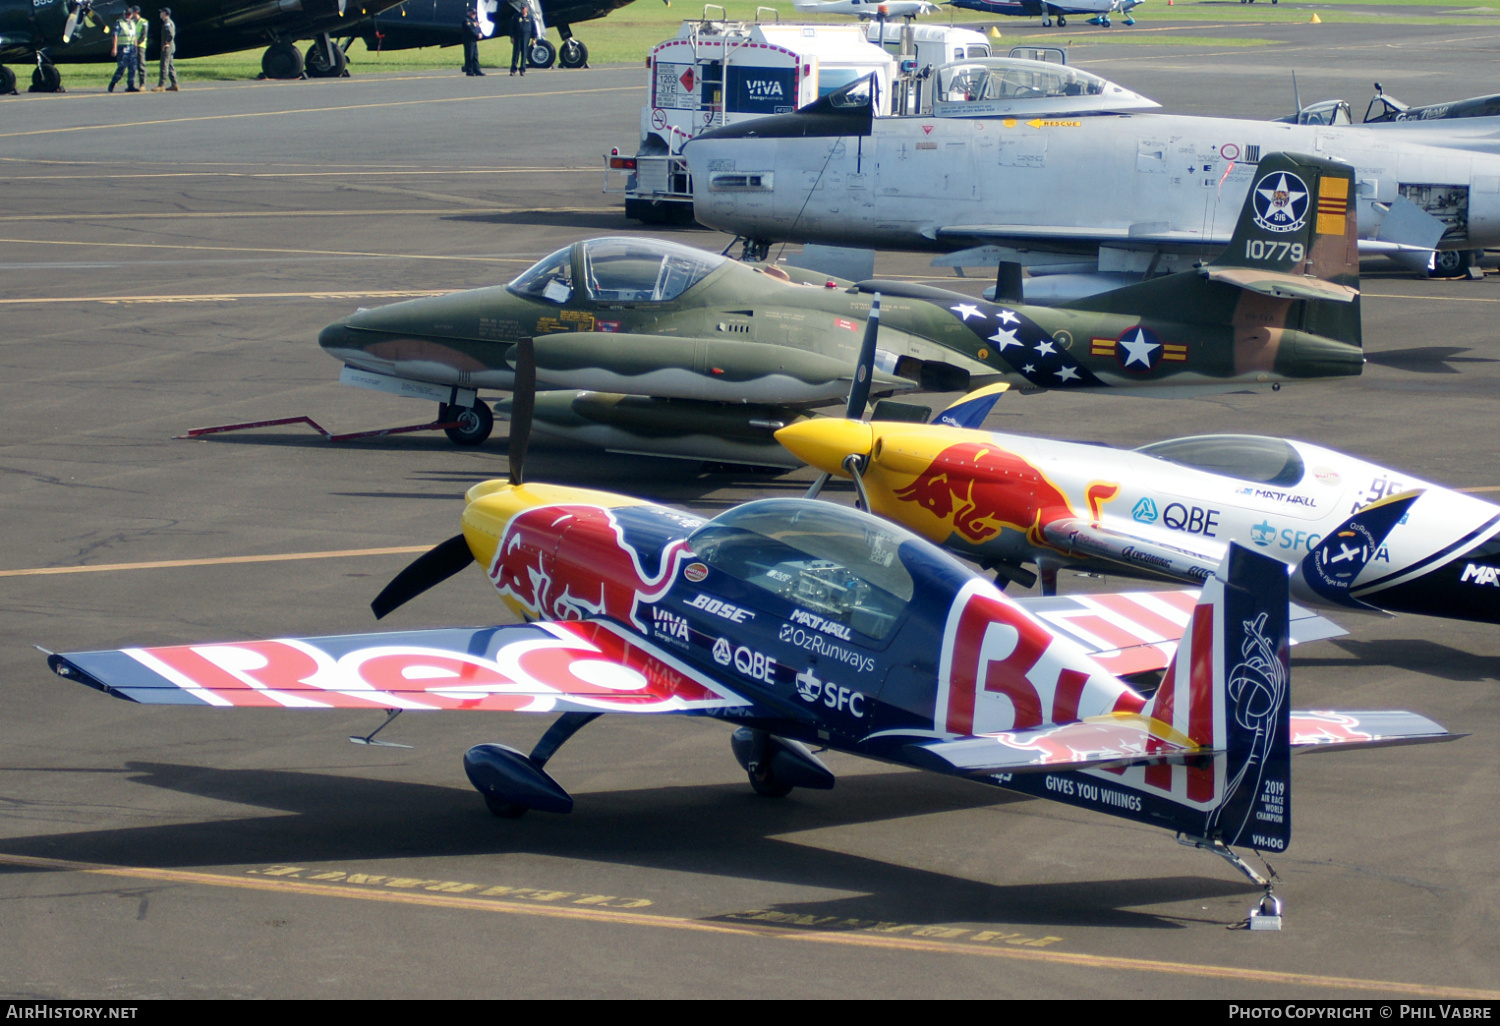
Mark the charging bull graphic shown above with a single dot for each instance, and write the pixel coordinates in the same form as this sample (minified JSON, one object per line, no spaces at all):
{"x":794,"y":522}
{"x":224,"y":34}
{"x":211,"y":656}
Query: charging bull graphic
{"x":981,"y":489}
{"x":571,"y":562}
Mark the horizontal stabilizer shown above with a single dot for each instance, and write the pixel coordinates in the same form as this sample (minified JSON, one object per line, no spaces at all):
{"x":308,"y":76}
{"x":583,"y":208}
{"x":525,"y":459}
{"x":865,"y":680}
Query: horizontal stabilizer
{"x":1281,"y":285}
{"x":1324,"y":730}
{"x":1099,"y":742}
{"x":579,"y":666}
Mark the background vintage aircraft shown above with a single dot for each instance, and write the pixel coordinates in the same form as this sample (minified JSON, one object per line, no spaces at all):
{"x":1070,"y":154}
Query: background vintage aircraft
{"x":805,"y":623}
{"x":51,"y":32}
{"x":1145,"y":194}
{"x":417,"y":23}
{"x":866,"y":8}
{"x":694,"y":355}
{"x":1097,"y":10}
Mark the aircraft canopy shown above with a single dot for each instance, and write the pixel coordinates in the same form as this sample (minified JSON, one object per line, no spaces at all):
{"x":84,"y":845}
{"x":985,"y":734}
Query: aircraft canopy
{"x":1271,"y":461}
{"x":824,"y":558}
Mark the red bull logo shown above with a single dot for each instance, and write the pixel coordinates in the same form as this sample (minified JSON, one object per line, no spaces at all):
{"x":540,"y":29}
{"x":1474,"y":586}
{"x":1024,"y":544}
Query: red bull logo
{"x":571,"y":562}
{"x":1086,"y":742}
{"x":981,"y":489}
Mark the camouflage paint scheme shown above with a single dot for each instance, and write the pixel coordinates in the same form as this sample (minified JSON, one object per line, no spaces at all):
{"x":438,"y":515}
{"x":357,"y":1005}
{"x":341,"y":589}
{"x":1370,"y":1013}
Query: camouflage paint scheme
{"x":742,"y":351}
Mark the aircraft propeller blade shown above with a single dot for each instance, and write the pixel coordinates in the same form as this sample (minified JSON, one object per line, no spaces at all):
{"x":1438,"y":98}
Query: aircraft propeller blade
{"x":523,"y":405}
{"x":859,"y":390}
{"x":70,"y":27}
{"x":432,"y":567}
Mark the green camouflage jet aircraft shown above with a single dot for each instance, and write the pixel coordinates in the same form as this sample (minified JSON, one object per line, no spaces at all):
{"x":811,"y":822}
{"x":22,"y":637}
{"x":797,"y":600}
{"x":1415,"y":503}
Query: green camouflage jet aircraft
{"x":659,"y":348}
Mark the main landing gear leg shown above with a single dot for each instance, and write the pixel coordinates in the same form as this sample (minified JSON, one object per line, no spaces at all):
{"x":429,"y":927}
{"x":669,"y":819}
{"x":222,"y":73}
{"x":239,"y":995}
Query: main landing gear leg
{"x":512,"y":783}
{"x":1266,"y":915}
{"x":1049,"y":579}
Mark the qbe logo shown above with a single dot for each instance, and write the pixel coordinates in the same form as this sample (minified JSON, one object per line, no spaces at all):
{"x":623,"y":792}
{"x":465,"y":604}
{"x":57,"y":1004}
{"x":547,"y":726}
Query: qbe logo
{"x":753,"y":664}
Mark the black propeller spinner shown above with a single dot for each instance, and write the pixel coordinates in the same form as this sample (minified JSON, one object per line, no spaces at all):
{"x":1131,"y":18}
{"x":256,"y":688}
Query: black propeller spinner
{"x":441,"y":562}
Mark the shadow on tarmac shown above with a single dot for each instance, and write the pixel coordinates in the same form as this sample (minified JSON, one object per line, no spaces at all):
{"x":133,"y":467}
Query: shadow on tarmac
{"x":1426,"y":359}
{"x":720,"y":829}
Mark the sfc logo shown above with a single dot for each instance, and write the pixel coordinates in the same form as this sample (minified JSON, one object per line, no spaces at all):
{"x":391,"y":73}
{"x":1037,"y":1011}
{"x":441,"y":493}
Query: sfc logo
{"x":1281,"y":202}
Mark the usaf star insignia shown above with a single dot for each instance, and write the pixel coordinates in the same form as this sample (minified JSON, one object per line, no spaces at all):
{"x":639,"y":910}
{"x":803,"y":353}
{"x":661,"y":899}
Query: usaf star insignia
{"x":1139,"y":351}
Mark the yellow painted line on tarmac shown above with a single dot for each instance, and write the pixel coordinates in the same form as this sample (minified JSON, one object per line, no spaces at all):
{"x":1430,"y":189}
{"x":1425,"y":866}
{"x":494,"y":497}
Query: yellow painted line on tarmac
{"x":166,"y":215}
{"x":270,"y":249}
{"x":228,"y":297}
{"x":162,"y":564}
{"x":1481,"y":488}
{"x":317,"y":110}
{"x":748,"y":927}
{"x":1434,"y":299}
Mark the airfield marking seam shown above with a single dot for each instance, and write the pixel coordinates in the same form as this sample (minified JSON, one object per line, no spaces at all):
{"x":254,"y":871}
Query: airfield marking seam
{"x":167,"y":215}
{"x":317,"y":110}
{"x":394,"y":172}
{"x":229,"y":296}
{"x":270,"y":249}
{"x":1111,"y":962}
{"x":280,"y":557}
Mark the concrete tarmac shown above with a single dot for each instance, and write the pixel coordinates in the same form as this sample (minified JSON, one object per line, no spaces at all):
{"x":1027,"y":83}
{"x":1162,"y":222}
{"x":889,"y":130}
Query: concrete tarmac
{"x":167,"y":263}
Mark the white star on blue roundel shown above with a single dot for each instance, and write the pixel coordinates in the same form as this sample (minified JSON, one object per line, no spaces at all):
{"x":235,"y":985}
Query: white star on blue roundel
{"x":1280,"y":202}
{"x":1138,"y":350}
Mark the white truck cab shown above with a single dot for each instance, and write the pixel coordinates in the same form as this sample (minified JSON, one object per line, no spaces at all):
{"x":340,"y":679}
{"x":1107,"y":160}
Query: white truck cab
{"x":717,"y":72}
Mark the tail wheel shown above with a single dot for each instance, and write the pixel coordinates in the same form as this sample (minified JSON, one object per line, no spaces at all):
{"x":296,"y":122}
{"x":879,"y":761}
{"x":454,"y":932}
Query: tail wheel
{"x":283,"y":61}
{"x":474,"y":424}
{"x":542,"y":54}
{"x":316,"y":61}
{"x":1061,"y":21}
{"x":573,"y":54}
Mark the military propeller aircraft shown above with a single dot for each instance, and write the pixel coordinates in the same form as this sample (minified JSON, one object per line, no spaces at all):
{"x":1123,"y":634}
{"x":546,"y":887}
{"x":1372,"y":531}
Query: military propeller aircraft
{"x":1146,"y":192}
{"x":417,"y":23}
{"x":52,"y":32}
{"x":696,"y":355}
{"x":805,"y":623}
{"x":1098,"y":10}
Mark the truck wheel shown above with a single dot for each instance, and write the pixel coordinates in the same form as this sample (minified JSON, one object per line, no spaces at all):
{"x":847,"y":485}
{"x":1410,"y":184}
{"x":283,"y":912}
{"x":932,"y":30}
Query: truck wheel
{"x":573,"y":54}
{"x":542,"y":54}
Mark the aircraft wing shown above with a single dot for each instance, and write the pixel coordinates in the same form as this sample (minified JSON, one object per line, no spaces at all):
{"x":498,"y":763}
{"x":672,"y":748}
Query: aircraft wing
{"x":1137,"y":631}
{"x":1181,"y":560}
{"x":580,"y":666}
{"x":1039,"y":234}
{"x":684,"y":367}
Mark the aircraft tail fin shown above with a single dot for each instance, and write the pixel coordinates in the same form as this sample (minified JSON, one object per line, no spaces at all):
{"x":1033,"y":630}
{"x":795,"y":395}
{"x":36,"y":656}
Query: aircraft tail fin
{"x":1292,"y":262}
{"x":1327,"y":573}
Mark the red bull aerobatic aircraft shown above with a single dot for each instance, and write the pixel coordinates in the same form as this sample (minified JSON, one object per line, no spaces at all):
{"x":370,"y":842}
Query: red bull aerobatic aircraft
{"x":804,"y":623}
{"x":1354,"y":534}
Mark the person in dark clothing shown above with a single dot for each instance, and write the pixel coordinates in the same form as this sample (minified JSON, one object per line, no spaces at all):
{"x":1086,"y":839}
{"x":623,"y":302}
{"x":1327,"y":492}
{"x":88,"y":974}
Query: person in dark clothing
{"x":522,"y":32}
{"x":471,"y":33}
{"x":168,"y":69}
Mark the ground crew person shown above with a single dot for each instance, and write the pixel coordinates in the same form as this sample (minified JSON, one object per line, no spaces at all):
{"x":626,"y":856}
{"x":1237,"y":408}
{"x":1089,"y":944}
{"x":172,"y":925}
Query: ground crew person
{"x":123,"y":49}
{"x":143,"y":28}
{"x":168,"y":68}
{"x":472,"y":33}
{"x":522,"y":32}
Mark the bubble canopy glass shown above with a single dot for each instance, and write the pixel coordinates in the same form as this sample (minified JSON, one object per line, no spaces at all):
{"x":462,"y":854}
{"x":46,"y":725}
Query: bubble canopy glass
{"x":840,"y":564}
{"x":1001,"y":78}
{"x":1247,"y":457}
